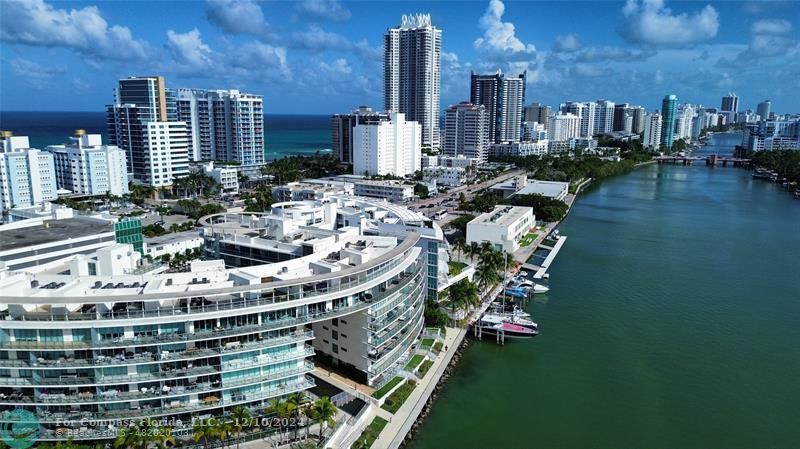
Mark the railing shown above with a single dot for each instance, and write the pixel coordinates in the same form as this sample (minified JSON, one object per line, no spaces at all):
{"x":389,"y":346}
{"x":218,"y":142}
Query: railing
{"x":399,"y":350}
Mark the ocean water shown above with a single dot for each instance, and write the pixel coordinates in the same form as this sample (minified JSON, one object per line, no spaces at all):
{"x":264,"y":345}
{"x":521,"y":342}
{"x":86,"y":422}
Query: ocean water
{"x":283,"y":134}
{"x":671,"y":322}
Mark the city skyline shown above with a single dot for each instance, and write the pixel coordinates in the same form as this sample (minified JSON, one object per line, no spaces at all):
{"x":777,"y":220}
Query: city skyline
{"x":326,"y":57}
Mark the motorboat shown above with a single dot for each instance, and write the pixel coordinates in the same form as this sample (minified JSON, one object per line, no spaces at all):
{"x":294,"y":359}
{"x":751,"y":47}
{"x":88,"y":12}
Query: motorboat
{"x":517,"y":292}
{"x":493,"y":324}
{"x":529,"y":285}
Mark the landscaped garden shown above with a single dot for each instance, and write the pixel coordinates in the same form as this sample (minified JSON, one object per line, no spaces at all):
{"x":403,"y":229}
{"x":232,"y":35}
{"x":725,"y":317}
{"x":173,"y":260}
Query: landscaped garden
{"x":386,"y":388}
{"x":396,"y":399}
{"x":416,"y":360}
{"x":423,"y":369}
{"x":426,"y":343}
{"x":528,"y":239}
{"x":455,"y":268}
{"x":370,"y":434}
{"x":438,"y":346}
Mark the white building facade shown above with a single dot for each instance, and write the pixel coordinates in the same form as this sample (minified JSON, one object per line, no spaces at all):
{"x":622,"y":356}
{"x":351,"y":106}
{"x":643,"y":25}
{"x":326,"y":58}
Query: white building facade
{"x":388,"y":147}
{"x":652,"y":131}
{"x":412,"y":71}
{"x":27,"y":175}
{"x":504,"y":227}
{"x":466,"y":131}
{"x":85,"y":166}
{"x":564,"y":127}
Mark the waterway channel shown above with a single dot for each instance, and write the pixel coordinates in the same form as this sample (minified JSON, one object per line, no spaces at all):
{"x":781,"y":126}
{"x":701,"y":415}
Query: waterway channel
{"x":673,"y":321}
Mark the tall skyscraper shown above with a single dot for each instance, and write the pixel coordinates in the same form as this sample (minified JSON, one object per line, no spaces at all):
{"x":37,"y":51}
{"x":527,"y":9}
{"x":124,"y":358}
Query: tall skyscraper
{"x":730,"y":102}
{"x":86,"y":166}
{"x":604,"y":117}
{"x":503,"y":98}
{"x":156,"y":149}
{"x":652,"y":130}
{"x":764,"y":109}
{"x":587,"y":112}
{"x":387,"y":147}
{"x":411,"y":68}
{"x":466,"y":130}
{"x":342,"y":130}
{"x":536,"y":112}
{"x":668,"y":119}
{"x":223,"y":125}
{"x":638,"y":120}
{"x":683,"y":122}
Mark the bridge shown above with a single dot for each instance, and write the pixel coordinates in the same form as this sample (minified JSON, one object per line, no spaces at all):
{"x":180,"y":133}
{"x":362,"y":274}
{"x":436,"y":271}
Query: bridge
{"x":711,"y":160}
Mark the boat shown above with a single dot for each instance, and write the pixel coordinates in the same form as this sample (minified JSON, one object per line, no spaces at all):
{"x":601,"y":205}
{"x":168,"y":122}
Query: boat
{"x":518,"y":292}
{"x":530,"y":285}
{"x":498,"y":308}
{"x":493,"y":324}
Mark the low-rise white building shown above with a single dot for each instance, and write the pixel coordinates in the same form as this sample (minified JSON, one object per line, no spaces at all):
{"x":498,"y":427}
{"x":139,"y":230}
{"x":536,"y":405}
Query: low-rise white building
{"x":504,"y":227}
{"x":538,"y":148}
{"x":85,"y":166}
{"x":549,"y":189}
{"x":226,"y":175}
{"x":175,"y":243}
{"x":390,"y":190}
{"x":310,"y":189}
{"x":444,"y":176}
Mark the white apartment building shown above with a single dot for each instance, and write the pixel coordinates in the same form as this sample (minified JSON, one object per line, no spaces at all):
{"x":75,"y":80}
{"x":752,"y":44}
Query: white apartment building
{"x":85,"y":166}
{"x":652,"y":131}
{"x":604,"y":117}
{"x":537,"y":148}
{"x":587,"y":113}
{"x":458,"y":161}
{"x":412,"y":71}
{"x":227,"y":176}
{"x":387,"y":147}
{"x":504,"y":227}
{"x":312,"y":189}
{"x":444,"y":176}
{"x":564,"y":126}
{"x":389,"y":190}
{"x":166,"y":146}
{"x":223,"y":125}
{"x":683,"y":125}
{"x":466,"y":131}
{"x":27,"y":175}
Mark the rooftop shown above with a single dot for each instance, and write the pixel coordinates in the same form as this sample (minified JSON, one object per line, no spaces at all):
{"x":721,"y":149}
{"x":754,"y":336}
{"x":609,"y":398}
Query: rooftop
{"x":502,"y":215}
{"x":51,"y":231}
{"x":550,"y":189}
{"x":172,"y":238}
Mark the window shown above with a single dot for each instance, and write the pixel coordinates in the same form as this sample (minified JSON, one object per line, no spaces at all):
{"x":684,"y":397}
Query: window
{"x":325,"y":341}
{"x":335,"y":335}
{"x":344,"y":349}
{"x":335,"y":349}
{"x":344,"y":336}
{"x":325,"y":327}
{"x":335,"y":321}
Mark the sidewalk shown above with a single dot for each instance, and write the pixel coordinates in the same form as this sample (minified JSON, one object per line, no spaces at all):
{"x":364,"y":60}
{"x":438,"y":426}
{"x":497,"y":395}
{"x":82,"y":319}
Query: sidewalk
{"x":401,"y":422}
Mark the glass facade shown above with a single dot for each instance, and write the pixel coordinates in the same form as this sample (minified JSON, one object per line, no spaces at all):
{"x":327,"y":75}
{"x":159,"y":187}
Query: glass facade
{"x":130,"y":231}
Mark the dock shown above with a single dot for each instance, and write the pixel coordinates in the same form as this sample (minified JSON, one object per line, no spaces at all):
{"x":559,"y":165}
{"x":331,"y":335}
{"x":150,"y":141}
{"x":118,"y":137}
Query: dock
{"x":540,"y":270}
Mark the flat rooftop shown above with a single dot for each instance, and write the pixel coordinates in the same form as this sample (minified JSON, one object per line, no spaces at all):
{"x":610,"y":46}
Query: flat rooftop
{"x":502,"y":215}
{"x":52,"y":231}
{"x":172,"y":238}
{"x":551,"y":189}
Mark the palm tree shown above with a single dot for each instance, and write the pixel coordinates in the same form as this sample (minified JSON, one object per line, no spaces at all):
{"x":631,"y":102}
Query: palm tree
{"x":221,"y":430}
{"x":298,"y":402}
{"x":203,"y":430}
{"x":240,"y":417}
{"x":162,"y":436}
{"x":459,"y":246}
{"x":311,"y":415}
{"x":486,"y":275}
{"x":473,"y":250}
{"x":325,"y":413}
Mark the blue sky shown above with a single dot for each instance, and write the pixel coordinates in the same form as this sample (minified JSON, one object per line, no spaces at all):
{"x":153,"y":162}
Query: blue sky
{"x":324,"y":56}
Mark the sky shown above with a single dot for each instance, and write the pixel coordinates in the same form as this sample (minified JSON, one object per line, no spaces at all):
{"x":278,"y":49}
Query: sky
{"x":325,"y":56}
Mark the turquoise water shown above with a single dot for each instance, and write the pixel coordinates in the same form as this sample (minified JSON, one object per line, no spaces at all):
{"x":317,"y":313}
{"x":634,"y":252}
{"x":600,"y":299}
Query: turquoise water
{"x":283,"y":134}
{"x":673,"y":321}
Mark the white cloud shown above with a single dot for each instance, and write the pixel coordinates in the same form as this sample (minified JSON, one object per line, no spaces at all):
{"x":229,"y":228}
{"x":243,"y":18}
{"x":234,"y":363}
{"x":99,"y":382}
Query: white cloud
{"x":650,"y":23}
{"x":771,"y":26}
{"x":607,"y":53}
{"x":262,"y":58}
{"x":35,"y":75}
{"x":567,"y":43}
{"x":658,"y":77}
{"x":237,"y":16}
{"x":36,"y":23}
{"x":189,"y":50}
{"x":339,"y":66}
{"x":317,"y":39}
{"x":499,"y":41}
{"x":323,"y":9}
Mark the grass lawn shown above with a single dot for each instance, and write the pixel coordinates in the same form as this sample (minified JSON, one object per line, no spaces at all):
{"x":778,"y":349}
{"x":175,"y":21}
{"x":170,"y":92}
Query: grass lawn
{"x":455,"y":267}
{"x":423,"y":370}
{"x":370,"y":434}
{"x":414,"y":362}
{"x":427,"y":343}
{"x":396,"y":399}
{"x":385,"y":389}
{"x":438,"y":346}
{"x":528,"y":239}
